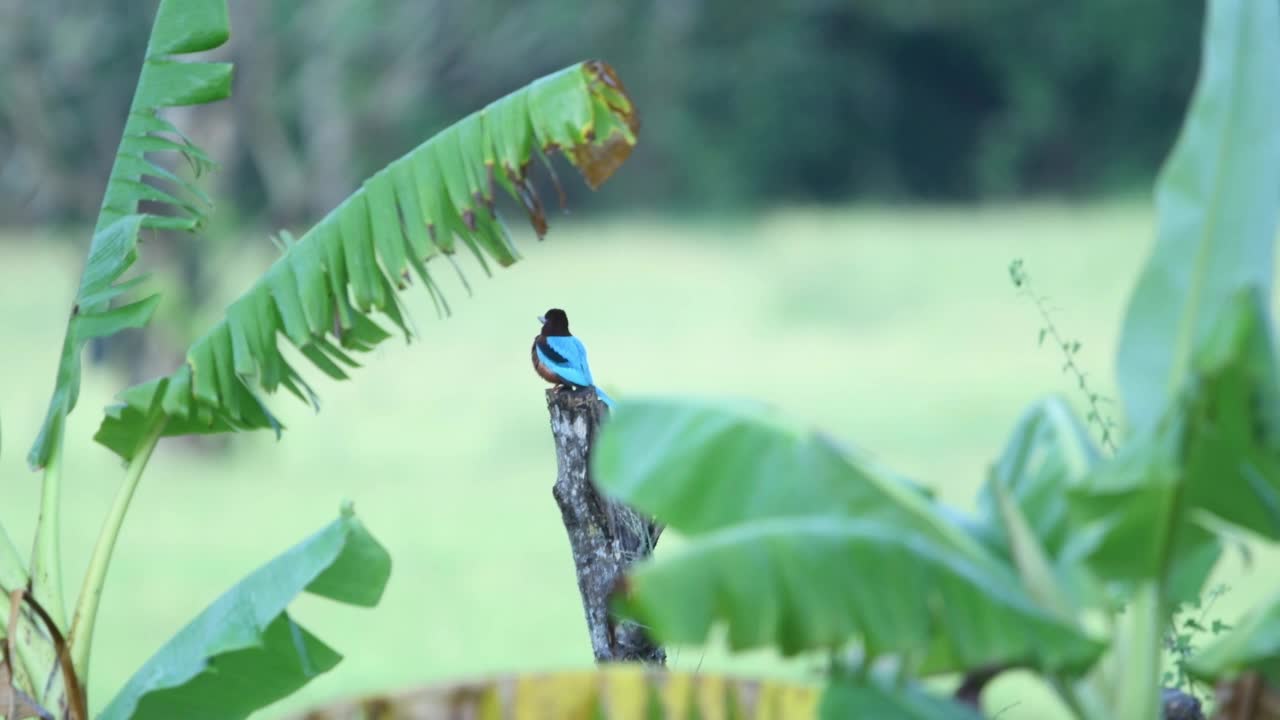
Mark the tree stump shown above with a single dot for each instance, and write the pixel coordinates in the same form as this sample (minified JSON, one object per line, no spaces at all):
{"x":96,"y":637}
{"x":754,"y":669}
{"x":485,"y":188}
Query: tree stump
{"x":606,"y":537}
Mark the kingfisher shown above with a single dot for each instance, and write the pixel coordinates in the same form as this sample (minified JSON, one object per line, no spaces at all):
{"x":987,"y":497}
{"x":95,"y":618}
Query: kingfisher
{"x":559,"y":357}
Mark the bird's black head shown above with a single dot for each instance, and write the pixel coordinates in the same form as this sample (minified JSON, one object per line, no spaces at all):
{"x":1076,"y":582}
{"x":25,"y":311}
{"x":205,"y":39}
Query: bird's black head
{"x":555,"y":322}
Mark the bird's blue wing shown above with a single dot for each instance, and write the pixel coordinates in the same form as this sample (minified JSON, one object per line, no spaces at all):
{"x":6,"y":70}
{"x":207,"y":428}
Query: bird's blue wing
{"x":566,"y":356}
{"x":604,"y":398}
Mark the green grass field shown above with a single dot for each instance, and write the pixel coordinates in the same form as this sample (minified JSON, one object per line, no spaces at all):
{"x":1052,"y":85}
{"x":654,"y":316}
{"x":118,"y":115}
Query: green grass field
{"x":898,"y":331}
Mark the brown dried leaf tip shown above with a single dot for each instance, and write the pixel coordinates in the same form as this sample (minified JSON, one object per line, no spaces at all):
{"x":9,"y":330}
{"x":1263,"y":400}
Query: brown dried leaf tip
{"x":600,"y":157}
{"x":530,"y":200}
{"x":619,"y":100}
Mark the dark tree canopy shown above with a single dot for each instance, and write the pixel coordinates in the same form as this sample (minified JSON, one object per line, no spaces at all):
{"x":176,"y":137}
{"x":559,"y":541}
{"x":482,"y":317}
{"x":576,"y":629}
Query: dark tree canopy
{"x":746,"y":103}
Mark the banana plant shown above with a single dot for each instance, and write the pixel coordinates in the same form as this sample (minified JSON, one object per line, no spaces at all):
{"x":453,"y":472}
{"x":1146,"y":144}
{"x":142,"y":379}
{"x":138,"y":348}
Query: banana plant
{"x":1075,"y":559}
{"x":332,"y":294}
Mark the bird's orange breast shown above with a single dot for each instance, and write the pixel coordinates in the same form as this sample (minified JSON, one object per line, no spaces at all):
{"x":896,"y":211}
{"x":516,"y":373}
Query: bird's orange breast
{"x":543,"y":371}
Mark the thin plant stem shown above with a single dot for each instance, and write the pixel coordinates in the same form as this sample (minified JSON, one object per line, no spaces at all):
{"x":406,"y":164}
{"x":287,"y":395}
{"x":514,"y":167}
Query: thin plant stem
{"x":46,"y":556}
{"x":81,"y":635}
{"x":1082,"y":697}
{"x":1182,"y":652}
{"x":1140,"y":641}
{"x":1106,"y":426}
{"x":12,"y":573}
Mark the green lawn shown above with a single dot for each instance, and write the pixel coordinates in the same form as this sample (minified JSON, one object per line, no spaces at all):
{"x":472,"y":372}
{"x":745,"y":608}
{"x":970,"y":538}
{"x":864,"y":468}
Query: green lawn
{"x":897,"y":330}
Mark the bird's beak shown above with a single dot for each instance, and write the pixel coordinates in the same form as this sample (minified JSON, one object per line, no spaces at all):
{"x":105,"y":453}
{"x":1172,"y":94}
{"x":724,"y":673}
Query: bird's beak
{"x":542,"y":320}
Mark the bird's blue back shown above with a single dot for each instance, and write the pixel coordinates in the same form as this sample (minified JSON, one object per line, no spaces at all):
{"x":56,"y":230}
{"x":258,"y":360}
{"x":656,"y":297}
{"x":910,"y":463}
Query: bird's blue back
{"x":572,"y":363}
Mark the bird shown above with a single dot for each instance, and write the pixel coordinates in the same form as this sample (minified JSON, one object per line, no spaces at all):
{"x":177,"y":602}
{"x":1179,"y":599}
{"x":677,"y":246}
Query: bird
{"x":559,"y":357}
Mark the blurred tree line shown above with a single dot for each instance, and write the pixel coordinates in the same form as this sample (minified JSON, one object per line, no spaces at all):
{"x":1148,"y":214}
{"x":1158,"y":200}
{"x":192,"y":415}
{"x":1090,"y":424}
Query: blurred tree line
{"x":742,"y":103}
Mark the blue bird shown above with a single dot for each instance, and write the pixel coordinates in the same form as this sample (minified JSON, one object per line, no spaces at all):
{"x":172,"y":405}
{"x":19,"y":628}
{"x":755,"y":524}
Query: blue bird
{"x":559,"y":357}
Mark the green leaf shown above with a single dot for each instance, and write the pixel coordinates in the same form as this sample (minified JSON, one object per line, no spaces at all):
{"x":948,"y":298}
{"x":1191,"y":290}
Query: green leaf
{"x":1129,"y":522}
{"x":816,"y":583}
{"x":703,"y":465}
{"x":785,"y":526}
{"x":848,"y":697}
{"x":1196,"y":359}
{"x":1049,"y":452}
{"x":189,"y":27}
{"x":244,"y":651}
{"x":109,"y":322}
{"x":323,"y":293}
{"x":1231,"y":445}
{"x":1219,"y":456}
{"x":1024,"y":513}
{"x":1253,"y":644}
{"x":1218,"y":208}
{"x":1030,"y":558}
{"x":181,"y":27}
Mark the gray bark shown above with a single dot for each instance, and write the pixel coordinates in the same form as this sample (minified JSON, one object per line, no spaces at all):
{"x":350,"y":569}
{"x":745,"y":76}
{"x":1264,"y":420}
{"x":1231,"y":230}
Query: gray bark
{"x":606,"y":537}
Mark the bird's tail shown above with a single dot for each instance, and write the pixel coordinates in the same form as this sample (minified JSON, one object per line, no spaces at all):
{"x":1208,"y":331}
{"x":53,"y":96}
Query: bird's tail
{"x":608,"y":401}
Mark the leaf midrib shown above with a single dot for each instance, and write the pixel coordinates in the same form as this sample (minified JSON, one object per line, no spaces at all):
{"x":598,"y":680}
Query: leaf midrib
{"x":1186,"y":331}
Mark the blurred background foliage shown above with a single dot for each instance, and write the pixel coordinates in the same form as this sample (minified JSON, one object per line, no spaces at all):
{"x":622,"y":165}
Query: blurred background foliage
{"x":744,"y":104}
